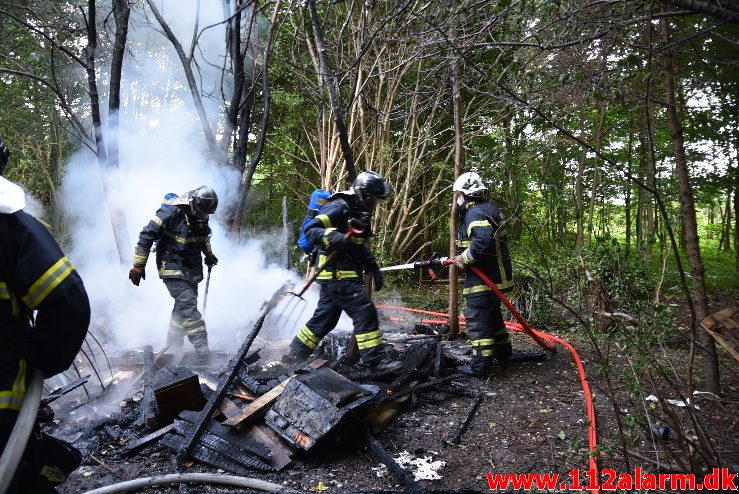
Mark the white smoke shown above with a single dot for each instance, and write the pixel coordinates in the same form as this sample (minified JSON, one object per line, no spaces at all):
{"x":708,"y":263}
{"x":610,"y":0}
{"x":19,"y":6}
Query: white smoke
{"x":162,"y":150}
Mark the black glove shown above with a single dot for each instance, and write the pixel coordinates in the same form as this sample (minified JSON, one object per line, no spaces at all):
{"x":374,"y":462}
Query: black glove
{"x":377,"y":278}
{"x":136,"y":274}
{"x":210,"y":259}
{"x":338,"y":240}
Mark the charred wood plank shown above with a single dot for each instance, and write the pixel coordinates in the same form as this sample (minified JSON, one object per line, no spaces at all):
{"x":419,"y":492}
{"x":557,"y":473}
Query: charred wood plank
{"x":237,"y":439}
{"x":399,"y":472}
{"x":256,"y":407}
{"x":280,"y":453}
{"x":225,"y":383}
{"x":59,"y":392}
{"x":146,"y":440}
{"x":463,"y":427}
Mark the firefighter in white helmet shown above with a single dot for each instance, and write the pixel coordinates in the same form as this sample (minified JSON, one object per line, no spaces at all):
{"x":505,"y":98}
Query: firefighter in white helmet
{"x":482,"y":236}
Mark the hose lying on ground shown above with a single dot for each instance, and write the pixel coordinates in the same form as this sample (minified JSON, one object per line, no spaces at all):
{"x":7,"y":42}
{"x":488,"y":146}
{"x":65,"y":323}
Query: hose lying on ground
{"x":21,"y":431}
{"x":203,"y":478}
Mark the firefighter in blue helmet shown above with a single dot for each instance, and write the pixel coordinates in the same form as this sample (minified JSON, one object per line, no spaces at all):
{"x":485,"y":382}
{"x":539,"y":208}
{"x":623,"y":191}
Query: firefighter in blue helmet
{"x":482,"y":235}
{"x":182,"y":233}
{"x":35,"y":276}
{"x":342,"y":281}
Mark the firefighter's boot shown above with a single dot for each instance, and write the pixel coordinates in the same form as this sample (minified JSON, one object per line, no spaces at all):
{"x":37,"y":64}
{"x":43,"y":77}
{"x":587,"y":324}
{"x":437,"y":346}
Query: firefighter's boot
{"x":478,"y":367}
{"x":200,"y":342}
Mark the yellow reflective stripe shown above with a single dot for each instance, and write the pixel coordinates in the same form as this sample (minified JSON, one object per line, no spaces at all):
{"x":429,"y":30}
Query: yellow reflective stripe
{"x":487,"y":353}
{"x":13,"y":398}
{"x":485,"y":288}
{"x":306,"y":336}
{"x":368,"y":336}
{"x":186,"y":240}
{"x":476,"y":223}
{"x":325,"y":220}
{"x":358,"y":240}
{"x":467,"y":256}
{"x":140,"y":260}
{"x":47,"y":282}
{"x":207,"y":246}
{"x":482,"y":342}
{"x":157,"y":220}
{"x":369,"y":340}
{"x":4,"y":293}
{"x":170,"y":273}
{"x":326,"y":233}
{"x":200,"y":329}
{"x":464,"y":243}
{"x":501,"y":266}
{"x":340,"y":275}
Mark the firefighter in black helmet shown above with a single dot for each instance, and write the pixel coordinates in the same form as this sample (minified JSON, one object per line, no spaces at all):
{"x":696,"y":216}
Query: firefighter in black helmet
{"x":482,"y":235}
{"x":35,"y":276}
{"x":342,"y":281}
{"x":182,"y":235}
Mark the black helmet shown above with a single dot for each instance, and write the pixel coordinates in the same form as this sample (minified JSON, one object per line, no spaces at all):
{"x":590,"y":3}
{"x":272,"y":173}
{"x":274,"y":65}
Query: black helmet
{"x":4,"y":155}
{"x":203,"y":201}
{"x":371,"y":184}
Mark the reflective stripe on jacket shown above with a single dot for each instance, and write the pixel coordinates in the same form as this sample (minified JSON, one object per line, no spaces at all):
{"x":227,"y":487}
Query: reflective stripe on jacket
{"x":180,"y":242}
{"x":351,"y":262}
{"x":35,"y":275}
{"x":483,"y":243}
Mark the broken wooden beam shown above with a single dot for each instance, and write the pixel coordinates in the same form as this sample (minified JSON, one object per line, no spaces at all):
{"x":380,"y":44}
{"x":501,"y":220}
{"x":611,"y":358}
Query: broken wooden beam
{"x":146,"y":440}
{"x":255,"y":408}
{"x":225,"y":383}
{"x":463,"y":427}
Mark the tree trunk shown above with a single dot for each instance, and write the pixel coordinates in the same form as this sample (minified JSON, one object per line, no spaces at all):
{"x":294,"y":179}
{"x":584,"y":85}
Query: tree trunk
{"x":578,"y":185}
{"x":116,"y":217}
{"x":334,"y":97}
{"x":596,"y":167}
{"x":458,"y":160}
{"x":711,"y":371}
{"x":627,"y":199}
{"x":257,"y":156}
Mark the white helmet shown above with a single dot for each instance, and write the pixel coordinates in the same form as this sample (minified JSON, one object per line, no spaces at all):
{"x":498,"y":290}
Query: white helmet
{"x":470,"y":184}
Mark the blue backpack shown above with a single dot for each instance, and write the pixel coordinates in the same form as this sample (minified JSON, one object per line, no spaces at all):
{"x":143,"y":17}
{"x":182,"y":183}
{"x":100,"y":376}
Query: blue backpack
{"x":317,"y":200}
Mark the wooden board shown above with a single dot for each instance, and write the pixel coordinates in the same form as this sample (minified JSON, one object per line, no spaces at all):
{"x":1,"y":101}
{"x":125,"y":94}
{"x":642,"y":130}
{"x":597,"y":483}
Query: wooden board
{"x":241,"y":420}
{"x":280,"y":453}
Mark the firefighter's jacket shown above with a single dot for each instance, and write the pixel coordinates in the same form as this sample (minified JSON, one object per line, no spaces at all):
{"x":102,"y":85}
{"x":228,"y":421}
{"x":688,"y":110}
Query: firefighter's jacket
{"x":482,"y":236}
{"x":181,"y":238}
{"x":351,"y":262}
{"x":35,"y":276}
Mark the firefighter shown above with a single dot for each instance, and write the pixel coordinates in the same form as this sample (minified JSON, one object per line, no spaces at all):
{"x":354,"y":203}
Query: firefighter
{"x":34,"y":276}
{"x":180,"y":228}
{"x":482,"y":235}
{"x":342,"y":282}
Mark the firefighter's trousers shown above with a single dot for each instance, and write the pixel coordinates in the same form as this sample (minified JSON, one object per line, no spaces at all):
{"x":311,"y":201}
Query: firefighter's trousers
{"x":186,"y":319}
{"x":486,"y":330}
{"x":351,"y":297}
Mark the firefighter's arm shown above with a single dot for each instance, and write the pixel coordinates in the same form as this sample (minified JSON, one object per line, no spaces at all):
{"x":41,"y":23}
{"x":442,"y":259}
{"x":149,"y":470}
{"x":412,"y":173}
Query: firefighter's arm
{"x":51,"y":286}
{"x":151,"y":233}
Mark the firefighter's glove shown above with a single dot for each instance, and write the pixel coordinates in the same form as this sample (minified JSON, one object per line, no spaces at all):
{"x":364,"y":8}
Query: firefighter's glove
{"x":136,"y":274}
{"x":210,"y":259}
{"x":459,"y":261}
{"x":378,"y":280}
{"x":339,"y":241}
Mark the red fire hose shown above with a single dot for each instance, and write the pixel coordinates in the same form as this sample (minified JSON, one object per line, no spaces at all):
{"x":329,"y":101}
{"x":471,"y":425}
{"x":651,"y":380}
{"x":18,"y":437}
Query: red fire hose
{"x":546,"y":341}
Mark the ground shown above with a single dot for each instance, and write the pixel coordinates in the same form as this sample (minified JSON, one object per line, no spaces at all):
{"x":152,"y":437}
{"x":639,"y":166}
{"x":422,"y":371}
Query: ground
{"x":532,"y":420}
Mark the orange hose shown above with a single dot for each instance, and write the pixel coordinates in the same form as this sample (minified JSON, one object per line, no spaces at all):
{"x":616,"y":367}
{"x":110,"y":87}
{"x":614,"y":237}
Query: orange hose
{"x":547,"y":341}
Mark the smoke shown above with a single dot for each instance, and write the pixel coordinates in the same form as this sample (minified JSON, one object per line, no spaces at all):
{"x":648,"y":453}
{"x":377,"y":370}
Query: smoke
{"x":162,"y":150}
